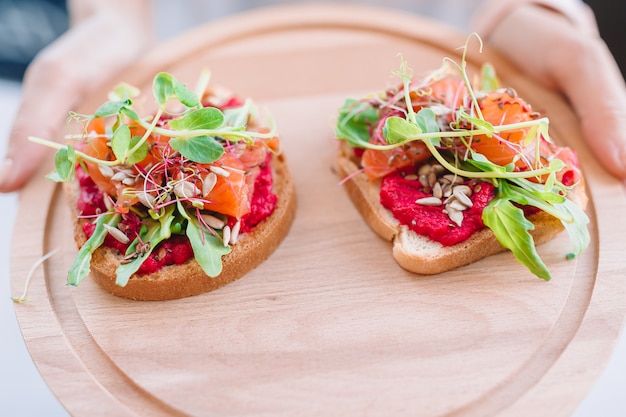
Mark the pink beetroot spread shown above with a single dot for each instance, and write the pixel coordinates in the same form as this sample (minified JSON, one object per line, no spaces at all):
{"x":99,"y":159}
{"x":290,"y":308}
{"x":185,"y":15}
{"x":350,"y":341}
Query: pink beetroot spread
{"x":398,"y":195}
{"x":177,"y":249}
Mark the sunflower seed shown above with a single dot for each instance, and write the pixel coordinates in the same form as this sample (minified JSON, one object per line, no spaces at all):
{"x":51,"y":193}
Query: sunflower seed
{"x":129,"y":181}
{"x":146,"y":199}
{"x":119,"y":176}
{"x":432,"y":179}
{"x":108,"y":203}
{"x":462,"y":197}
{"x":185,"y":189}
{"x":456,"y":216}
{"x":437,"y":190}
{"x":425,"y":169}
{"x":234,"y":233}
{"x":106,"y":170}
{"x":208,"y":183}
{"x":438,"y":169}
{"x":453,"y":179}
{"x":117,"y":234}
{"x":465,"y":189}
{"x":219,"y":171}
{"x":226,"y":235}
{"x":456,"y":205}
{"x":429,"y":201}
{"x":511,"y":92}
{"x":213,"y":222}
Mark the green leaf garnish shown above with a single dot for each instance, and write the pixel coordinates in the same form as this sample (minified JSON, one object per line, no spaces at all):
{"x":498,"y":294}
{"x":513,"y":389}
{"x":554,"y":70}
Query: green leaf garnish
{"x":511,"y":229}
{"x":82,"y":263}
{"x":398,"y":130}
{"x":149,"y":237}
{"x":65,"y":165}
{"x":163,"y":87}
{"x":489,"y":79}
{"x":577,"y":228}
{"x":201,"y":149}
{"x":130,"y":113}
{"x":208,"y":249}
{"x":355,"y":119}
{"x":427,"y":122}
{"x":186,"y":96}
{"x":204,"y":118}
{"x":111,"y":108}
{"x":120,"y":143}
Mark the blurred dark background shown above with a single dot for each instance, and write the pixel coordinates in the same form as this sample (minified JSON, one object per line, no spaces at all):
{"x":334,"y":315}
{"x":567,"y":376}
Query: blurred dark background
{"x":611,"y":17}
{"x":26,"y":26}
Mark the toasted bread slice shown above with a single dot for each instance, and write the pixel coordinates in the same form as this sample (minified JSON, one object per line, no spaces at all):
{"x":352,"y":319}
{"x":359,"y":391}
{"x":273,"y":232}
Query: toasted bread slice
{"x":178,"y":281}
{"x":412,"y":251}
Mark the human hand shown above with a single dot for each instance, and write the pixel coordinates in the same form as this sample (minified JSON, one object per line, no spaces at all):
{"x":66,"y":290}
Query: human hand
{"x":104,"y":37}
{"x":567,"y":54}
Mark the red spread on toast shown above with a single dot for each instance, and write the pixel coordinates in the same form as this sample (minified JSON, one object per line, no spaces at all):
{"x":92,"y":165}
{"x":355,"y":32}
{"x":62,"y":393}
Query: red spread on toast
{"x":177,"y":249}
{"x":398,"y":195}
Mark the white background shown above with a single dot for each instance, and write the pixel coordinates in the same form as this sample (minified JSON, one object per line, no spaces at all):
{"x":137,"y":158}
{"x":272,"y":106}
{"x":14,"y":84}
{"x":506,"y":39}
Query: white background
{"x":24,"y":394}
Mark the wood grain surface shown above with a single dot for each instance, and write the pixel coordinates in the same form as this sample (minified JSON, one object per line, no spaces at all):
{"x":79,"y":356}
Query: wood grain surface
{"x":329,"y":324}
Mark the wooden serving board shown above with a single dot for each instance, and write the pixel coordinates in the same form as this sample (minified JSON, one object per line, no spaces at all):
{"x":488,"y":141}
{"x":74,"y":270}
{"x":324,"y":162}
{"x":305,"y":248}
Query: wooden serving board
{"x":329,"y":325}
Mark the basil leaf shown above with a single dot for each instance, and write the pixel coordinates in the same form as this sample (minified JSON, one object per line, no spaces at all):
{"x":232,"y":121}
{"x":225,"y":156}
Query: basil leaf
{"x":200,"y":149}
{"x":204,"y":118}
{"x":511,"y":228}
{"x":82,"y":263}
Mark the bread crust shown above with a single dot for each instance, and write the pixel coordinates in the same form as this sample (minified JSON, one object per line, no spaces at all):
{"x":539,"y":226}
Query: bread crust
{"x":417,"y":253}
{"x":178,"y":281}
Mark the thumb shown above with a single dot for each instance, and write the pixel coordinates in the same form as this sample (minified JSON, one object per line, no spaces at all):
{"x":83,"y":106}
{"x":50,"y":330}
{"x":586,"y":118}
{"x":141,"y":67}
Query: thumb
{"x":38,"y":115}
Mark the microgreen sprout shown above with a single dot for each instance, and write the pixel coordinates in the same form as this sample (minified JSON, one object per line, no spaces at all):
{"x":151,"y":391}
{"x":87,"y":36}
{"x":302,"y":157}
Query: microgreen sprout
{"x":23,"y":298}
{"x":198,"y":133}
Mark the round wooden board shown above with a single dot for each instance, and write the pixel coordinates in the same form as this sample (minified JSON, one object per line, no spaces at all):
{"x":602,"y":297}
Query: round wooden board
{"x":329,"y":325}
